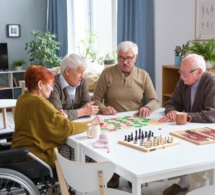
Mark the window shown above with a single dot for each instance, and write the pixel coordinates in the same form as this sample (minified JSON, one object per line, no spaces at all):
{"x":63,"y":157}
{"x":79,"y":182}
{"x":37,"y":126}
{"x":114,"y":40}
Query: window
{"x":95,"y":15}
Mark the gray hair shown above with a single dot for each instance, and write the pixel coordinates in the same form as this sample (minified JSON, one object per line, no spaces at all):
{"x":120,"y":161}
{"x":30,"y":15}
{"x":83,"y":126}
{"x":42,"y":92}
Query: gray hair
{"x":73,"y":61}
{"x":126,"y":45}
{"x":196,"y":60}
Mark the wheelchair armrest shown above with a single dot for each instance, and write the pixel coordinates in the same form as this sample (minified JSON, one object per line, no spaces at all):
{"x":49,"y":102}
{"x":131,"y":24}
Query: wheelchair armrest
{"x":19,"y":154}
{"x":6,"y":135}
{"x":12,"y":154}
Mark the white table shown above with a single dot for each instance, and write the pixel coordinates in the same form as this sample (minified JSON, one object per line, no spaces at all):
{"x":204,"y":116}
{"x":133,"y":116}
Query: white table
{"x":140,"y":167}
{"x":4,"y":104}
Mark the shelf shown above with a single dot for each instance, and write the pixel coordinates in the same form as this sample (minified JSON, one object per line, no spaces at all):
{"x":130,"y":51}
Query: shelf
{"x":9,"y":84}
{"x":170,"y":78}
{"x":167,"y":94}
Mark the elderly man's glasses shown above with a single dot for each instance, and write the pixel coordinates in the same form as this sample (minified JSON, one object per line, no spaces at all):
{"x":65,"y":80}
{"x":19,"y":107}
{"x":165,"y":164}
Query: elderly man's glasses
{"x":187,"y":73}
{"x":127,"y":59}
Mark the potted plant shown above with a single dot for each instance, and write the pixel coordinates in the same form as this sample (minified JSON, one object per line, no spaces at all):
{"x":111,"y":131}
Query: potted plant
{"x":86,"y":46}
{"x":205,"y":49}
{"x":18,"y":64}
{"x":43,"y":49}
{"x":109,"y":58}
{"x":181,"y":52}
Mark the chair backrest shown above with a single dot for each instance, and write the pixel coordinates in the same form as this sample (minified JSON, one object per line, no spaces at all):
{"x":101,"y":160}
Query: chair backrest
{"x":207,"y":190}
{"x":83,"y":177}
{"x":23,"y":87}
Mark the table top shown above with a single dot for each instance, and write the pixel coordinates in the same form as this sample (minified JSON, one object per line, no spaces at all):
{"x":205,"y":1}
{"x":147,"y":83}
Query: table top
{"x":7,"y":103}
{"x":177,"y":160}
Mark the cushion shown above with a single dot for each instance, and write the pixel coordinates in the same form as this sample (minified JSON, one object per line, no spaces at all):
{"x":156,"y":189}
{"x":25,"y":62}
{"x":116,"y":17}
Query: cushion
{"x":91,"y":81}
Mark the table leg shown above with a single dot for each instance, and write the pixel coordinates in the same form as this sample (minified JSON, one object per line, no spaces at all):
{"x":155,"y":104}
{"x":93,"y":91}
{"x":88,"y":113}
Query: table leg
{"x":13,"y":111}
{"x":4,"y":114}
{"x":136,"y":187}
{"x":211,"y":176}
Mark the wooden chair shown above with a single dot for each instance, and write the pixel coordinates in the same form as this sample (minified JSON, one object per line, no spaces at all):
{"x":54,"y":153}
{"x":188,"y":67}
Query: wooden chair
{"x":89,"y":178}
{"x":23,"y":87}
{"x":207,"y":190}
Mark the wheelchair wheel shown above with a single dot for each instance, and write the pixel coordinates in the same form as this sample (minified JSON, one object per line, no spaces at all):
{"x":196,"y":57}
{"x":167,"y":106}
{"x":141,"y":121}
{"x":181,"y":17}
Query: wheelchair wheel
{"x":15,"y":183}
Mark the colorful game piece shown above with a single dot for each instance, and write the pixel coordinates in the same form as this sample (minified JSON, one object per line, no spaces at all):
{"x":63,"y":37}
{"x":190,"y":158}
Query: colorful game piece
{"x":127,"y":122}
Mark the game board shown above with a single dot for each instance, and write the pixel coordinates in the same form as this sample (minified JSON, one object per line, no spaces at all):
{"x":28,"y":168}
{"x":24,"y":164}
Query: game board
{"x":127,"y":122}
{"x":147,"y":142}
{"x":202,"y":135}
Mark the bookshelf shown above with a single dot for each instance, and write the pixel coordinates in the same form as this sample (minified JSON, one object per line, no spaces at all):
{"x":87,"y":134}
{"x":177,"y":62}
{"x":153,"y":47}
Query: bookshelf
{"x":9,"y":84}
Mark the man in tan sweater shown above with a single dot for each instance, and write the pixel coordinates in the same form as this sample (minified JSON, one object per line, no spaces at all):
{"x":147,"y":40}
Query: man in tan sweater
{"x":124,"y":87}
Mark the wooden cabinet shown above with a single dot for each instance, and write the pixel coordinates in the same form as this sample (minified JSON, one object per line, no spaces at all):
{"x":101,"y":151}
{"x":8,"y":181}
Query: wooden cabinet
{"x":170,"y":77}
{"x":10,"y":87}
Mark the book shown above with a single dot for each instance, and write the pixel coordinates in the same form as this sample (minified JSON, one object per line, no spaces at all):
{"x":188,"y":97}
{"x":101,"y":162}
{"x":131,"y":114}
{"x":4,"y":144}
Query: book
{"x":15,"y":82}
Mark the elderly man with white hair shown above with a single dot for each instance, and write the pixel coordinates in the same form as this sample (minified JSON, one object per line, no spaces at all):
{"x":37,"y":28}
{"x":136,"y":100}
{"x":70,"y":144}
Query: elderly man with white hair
{"x":70,"y":94}
{"x":195,"y":95}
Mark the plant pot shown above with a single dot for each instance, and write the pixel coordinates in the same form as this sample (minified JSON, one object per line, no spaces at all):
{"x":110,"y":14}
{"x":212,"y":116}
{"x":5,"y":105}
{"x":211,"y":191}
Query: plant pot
{"x":209,"y":64}
{"x":178,"y":60}
{"x":109,"y":63}
{"x":18,"y":68}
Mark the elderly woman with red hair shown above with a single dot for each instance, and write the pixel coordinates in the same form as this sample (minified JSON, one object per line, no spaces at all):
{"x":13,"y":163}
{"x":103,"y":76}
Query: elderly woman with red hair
{"x":38,"y":125}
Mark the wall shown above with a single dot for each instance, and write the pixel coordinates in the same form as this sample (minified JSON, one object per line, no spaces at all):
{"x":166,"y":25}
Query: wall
{"x":30,"y":14}
{"x":174,"y":25}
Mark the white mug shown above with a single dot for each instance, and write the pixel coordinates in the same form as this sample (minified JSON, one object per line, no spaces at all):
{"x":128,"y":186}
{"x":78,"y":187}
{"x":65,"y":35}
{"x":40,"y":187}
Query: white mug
{"x":93,"y":130}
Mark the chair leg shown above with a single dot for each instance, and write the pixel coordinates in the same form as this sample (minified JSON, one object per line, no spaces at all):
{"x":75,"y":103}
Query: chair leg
{"x":63,"y":187}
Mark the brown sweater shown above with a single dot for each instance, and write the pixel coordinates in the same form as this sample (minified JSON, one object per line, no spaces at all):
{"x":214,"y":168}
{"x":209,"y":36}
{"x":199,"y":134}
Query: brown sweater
{"x":61,"y":100}
{"x":203,"y":109}
{"x":41,"y":128}
{"x":125,"y":93}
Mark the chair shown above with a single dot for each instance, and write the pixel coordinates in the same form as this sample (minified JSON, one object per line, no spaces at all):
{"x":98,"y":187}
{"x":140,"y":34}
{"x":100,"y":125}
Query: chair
{"x":87,"y":177}
{"x":207,"y":190}
{"x":23,"y":87}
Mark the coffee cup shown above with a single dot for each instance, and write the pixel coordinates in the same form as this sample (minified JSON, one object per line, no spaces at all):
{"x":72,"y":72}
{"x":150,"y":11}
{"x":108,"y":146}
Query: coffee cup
{"x":93,"y":130}
{"x":182,"y":118}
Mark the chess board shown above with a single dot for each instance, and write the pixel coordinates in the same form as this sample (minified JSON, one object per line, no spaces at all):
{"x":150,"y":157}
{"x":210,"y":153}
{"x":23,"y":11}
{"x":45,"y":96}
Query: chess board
{"x":127,"y":122}
{"x":147,"y":142}
{"x":202,"y":135}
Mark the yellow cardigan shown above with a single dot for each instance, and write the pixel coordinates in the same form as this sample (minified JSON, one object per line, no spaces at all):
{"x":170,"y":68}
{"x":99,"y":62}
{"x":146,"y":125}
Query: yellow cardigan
{"x":41,"y":128}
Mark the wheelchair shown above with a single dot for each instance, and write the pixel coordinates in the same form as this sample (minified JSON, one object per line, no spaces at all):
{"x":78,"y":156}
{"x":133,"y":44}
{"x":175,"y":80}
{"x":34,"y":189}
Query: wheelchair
{"x":19,"y":176}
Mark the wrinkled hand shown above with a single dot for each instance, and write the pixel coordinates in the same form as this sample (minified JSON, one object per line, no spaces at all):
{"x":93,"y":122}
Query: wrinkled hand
{"x":90,"y":109}
{"x":109,"y":111}
{"x":63,"y":113}
{"x":98,"y":120}
{"x":170,"y":117}
{"x":143,"y":112}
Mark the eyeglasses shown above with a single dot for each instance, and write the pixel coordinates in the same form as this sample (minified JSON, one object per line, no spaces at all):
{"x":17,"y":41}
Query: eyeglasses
{"x":187,"y":73}
{"x":127,"y":59}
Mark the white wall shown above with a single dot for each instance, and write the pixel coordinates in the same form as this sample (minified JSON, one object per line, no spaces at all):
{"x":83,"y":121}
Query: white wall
{"x":31,"y":15}
{"x":174,"y":25}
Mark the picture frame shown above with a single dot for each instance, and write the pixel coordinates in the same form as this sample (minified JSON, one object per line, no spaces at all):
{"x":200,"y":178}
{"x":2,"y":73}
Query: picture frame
{"x":14,"y":30}
{"x":205,"y":19}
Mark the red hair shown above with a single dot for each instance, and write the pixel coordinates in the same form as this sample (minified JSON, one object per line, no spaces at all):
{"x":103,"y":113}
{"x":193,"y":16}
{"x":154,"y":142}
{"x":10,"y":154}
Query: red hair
{"x":34,"y":74}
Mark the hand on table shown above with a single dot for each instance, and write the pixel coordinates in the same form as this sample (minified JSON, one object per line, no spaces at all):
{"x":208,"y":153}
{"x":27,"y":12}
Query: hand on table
{"x":90,"y":109}
{"x":109,"y":111}
{"x":170,"y":117}
{"x":98,"y":120}
{"x":143,"y":112}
